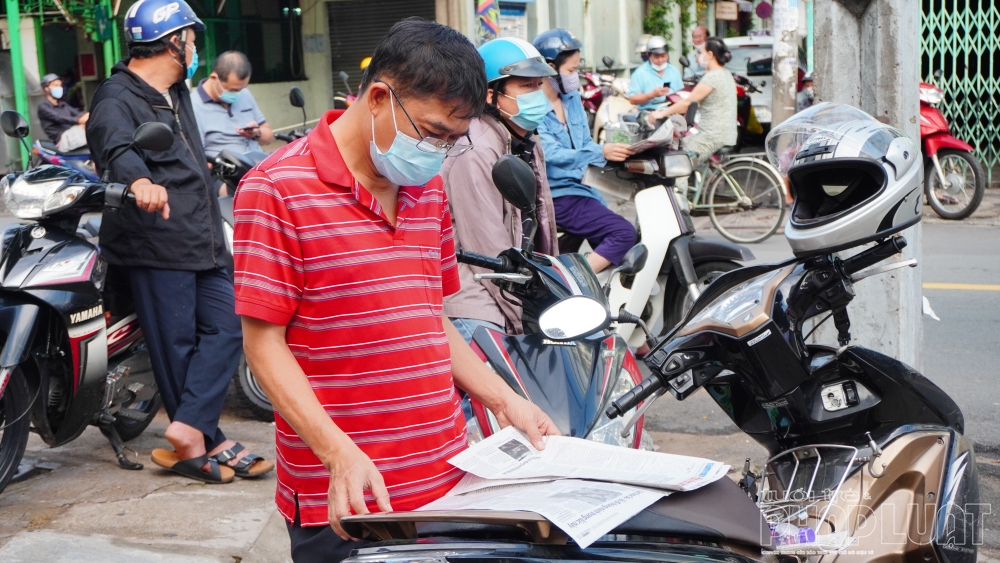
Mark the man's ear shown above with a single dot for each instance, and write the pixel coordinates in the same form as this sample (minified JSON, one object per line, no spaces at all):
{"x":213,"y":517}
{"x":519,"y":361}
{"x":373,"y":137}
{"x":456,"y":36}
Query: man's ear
{"x":377,"y":95}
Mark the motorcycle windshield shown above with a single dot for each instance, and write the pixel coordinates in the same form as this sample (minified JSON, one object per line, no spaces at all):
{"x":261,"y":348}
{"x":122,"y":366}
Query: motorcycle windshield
{"x":827,"y":128}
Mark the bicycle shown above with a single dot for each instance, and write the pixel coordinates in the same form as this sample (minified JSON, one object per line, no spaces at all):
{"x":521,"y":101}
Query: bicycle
{"x":743,"y":195}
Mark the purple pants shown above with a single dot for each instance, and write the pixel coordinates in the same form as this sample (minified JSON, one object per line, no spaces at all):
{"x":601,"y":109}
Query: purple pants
{"x":609,"y":234}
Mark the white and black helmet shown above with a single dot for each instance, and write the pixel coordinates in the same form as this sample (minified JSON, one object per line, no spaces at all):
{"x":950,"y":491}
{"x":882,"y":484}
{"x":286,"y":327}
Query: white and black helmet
{"x":854,"y":179}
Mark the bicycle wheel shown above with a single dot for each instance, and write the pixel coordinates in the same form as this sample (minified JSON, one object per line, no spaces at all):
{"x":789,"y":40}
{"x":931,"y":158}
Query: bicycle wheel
{"x":749,"y":206}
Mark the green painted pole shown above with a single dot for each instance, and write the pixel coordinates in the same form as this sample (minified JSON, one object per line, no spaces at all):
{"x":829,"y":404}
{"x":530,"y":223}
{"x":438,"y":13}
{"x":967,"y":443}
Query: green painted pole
{"x":17,"y":66}
{"x":40,"y":45}
{"x":110,"y":57}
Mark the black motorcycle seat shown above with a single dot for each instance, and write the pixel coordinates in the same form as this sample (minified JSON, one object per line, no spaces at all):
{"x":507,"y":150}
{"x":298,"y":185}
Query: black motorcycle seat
{"x":720,"y":512}
{"x":226,"y":207}
{"x":50,"y":146}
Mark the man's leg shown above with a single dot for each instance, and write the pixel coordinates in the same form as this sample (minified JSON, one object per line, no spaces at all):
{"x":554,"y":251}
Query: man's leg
{"x":165,"y":303}
{"x":219,"y":340}
{"x":72,"y":139}
{"x":609,"y":234}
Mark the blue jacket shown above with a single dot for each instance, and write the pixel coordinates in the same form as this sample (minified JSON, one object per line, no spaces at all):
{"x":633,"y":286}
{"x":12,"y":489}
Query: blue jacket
{"x":569,"y":149}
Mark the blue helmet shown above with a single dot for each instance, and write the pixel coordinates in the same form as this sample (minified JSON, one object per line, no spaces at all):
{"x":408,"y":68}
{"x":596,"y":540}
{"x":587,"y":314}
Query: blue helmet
{"x":510,"y":56}
{"x":151,"y":20}
{"x":554,"y":41}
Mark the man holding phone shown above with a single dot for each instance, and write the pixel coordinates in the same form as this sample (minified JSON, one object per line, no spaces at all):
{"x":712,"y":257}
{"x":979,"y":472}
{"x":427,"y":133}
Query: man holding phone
{"x":227,"y":113}
{"x":655,"y":78}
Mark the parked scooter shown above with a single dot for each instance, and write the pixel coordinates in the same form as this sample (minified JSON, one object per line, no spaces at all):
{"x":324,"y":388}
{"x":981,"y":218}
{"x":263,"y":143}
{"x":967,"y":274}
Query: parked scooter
{"x":566,"y":362}
{"x":955,"y":182}
{"x":73,"y":353}
{"x":344,"y":100}
{"x":297,"y":99}
{"x":45,"y":152}
{"x":681,"y":264}
{"x":614,"y":103}
{"x":865,"y":452}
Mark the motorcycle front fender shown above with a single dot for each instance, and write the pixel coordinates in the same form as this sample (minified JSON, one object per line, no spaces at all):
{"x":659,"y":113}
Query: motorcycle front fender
{"x":935,"y":143}
{"x":17,"y":321}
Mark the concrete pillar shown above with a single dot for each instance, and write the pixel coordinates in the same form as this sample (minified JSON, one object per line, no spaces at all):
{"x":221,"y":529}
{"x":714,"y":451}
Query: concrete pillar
{"x":542,"y":16}
{"x":785,"y":61}
{"x":873,"y":62}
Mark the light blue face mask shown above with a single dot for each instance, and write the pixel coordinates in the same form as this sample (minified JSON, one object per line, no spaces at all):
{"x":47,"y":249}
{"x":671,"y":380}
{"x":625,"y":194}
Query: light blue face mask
{"x":531,"y":110}
{"x":193,"y":67}
{"x":404,"y":164}
{"x":57,"y":92}
{"x":228,"y":97}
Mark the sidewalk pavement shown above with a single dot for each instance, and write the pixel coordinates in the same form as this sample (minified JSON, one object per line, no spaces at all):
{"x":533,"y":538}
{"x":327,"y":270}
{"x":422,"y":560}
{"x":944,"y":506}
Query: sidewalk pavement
{"x":81,"y":508}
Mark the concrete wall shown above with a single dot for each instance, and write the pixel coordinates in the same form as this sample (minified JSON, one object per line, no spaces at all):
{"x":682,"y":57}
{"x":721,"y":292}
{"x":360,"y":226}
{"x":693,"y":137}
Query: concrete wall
{"x":873,"y":63}
{"x":606,"y":27}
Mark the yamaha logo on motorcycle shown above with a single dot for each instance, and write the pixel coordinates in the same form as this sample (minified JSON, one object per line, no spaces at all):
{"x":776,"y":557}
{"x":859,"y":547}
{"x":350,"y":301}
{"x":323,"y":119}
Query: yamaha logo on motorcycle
{"x":75,"y":318}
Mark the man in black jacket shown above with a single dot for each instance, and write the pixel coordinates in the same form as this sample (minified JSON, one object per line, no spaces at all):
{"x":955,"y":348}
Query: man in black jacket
{"x":170,"y":242}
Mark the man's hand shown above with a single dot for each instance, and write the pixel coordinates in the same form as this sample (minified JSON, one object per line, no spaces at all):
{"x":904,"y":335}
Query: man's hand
{"x":351,"y":474}
{"x":661,"y":91}
{"x":527,"y":417}
{"x":617,"y":152}
{"x":83,"y":118}
{"x":150,"y":197}
{"x":250,"y":130}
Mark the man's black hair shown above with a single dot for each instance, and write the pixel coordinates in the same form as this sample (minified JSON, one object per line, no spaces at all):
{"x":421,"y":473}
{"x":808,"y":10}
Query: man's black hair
{"x":421,"y":58}
{"x":147,"y":50}
{"x":232,"y":62}
{"x":561,"y":58}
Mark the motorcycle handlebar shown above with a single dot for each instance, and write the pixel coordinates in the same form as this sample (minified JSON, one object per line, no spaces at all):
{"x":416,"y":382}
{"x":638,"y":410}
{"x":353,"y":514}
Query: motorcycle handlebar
{"x":881,"y":251}
{"x":471,"y":258}
{"x":638,"y":394}
{"x":284,"y":137}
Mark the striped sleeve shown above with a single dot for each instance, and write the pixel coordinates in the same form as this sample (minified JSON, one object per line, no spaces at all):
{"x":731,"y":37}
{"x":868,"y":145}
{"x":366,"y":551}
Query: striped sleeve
{"x":266,"y":252}
{"x":450,"y":283}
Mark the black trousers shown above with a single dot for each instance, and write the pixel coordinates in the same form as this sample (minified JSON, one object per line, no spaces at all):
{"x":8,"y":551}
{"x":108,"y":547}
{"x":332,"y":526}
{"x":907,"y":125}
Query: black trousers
{"x":194,"y":339}
{"x":319,"y":544}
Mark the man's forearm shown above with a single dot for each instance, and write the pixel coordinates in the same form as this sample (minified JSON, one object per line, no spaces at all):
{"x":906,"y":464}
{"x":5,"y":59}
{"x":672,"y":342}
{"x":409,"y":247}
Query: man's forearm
{"x":471,"y":374}
{"x":639,"y":99}
{"x":287,"y":386}
{"x":266,"y":134}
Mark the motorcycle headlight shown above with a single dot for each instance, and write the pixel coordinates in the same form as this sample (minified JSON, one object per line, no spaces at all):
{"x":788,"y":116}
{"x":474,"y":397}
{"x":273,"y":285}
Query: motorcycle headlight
{"x":61,"y":199}
{"x":737,"y":301}
{"x":27,"y":200}
{"x":610,"y":431}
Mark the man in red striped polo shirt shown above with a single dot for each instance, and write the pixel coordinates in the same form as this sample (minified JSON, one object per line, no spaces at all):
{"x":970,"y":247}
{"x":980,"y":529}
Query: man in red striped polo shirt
{"x":344,"y":251}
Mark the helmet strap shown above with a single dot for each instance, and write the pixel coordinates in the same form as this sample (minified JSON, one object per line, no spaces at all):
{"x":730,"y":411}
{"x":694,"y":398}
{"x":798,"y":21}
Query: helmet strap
{"x":181,"y":51}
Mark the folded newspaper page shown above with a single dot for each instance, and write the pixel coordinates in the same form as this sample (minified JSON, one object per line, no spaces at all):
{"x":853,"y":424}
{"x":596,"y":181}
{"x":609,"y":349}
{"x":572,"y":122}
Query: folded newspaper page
{"x":508,"y":454}
{"x":585,"y":510}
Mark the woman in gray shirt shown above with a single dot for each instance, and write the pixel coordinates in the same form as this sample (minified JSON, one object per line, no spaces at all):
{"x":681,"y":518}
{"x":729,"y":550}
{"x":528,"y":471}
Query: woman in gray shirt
{"x":716,"y":93}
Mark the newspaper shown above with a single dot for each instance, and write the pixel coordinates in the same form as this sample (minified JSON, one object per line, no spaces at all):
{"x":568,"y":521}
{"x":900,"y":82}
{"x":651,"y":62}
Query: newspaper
{"x":585,"y":510}
{"x":508,"y":454}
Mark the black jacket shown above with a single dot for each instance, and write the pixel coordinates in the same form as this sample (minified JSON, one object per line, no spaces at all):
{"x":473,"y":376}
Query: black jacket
{"x":192,"y":238}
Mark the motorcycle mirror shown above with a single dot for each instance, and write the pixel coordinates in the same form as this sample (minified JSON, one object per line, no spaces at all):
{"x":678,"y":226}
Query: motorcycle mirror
{"x":608,"y":61}
{"x":574,"y":318}
{"x":344,"y":78}
{"x":937,"y":74}
{"x":296,"y":98}
{"x":684,"y":61}
{"x":13,"y":124}
{"x":153,"y":136}
{"x":692,"y":111}
{"x":516,"y":182}
{"x":634,"y":260}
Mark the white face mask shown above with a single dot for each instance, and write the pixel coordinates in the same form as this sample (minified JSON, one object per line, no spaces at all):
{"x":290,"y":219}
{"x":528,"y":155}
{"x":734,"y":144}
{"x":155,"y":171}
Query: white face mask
{"x":660,"y":68}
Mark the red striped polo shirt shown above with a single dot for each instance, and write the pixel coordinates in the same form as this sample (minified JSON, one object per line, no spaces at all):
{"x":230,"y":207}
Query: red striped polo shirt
{"x":362,"y":301}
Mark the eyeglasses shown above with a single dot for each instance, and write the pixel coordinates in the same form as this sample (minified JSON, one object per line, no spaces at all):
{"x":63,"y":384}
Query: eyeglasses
{"x":432,"y":144}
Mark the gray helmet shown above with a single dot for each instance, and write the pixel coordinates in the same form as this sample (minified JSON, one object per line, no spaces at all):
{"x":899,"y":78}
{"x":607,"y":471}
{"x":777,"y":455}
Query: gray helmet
{"x":854,"y":179}
{"x":656,"y":45}
{"x":49,"y":79}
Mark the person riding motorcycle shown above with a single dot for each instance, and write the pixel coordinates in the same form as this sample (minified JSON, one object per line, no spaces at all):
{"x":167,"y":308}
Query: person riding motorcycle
{"x":655,"y":78}
{"x":483,"y":222}
{"x":716,"y":94}
{"x":580,"y":210}
{"x":640,"y":46}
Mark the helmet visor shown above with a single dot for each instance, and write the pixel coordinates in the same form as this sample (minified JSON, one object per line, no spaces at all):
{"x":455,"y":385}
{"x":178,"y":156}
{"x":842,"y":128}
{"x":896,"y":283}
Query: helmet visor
{"x":827,"y":129}
{"x":528,"y":68}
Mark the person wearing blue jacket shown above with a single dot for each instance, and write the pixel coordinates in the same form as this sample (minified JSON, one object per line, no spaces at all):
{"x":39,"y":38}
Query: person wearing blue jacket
{"x":569,"y":149}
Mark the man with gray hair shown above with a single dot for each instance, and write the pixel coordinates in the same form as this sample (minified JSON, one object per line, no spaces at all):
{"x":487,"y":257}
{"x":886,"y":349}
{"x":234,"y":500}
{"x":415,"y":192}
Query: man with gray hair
{"x":227,"y":113}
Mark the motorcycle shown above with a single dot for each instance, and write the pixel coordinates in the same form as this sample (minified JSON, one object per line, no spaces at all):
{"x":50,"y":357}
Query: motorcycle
{"x":342,"y":100}
{"x":297,"y":99}
{"x":73,"y":353}
{"x":680,"y":263}
{"x":45,"y":152}
{"x":862,"y":447}
{"x":951,"y":167}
